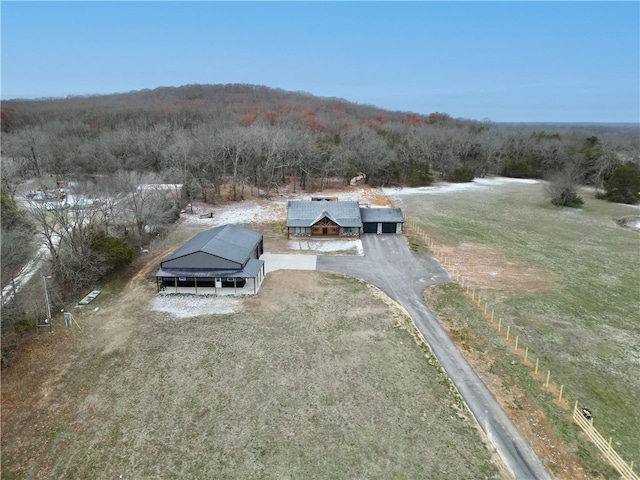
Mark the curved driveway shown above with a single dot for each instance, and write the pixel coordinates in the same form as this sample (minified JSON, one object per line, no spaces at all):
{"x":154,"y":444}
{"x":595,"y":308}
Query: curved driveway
{"x":391,"y":266}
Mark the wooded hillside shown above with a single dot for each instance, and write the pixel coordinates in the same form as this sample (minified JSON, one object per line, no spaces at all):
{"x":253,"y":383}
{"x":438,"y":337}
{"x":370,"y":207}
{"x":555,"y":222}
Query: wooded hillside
{"x":205,"y":135}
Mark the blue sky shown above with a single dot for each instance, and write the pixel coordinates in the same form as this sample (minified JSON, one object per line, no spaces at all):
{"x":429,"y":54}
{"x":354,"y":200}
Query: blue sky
{"x":505,"y":61}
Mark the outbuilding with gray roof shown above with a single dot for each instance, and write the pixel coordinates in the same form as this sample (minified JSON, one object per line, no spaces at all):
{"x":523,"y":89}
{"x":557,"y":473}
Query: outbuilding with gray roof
{"x":222,"y":257}
{"x":381,"y":220}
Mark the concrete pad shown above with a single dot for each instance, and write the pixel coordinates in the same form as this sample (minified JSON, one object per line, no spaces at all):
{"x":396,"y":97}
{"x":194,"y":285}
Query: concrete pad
{"x":273,"y":262}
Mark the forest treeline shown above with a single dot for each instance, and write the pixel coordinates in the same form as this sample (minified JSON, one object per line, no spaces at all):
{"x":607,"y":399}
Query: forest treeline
{"x":205,"y":135}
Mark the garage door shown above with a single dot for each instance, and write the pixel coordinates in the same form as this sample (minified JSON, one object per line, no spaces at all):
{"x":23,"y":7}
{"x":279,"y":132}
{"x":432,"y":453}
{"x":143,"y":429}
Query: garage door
{"x":388,"y":228}
{"x":370,"y":227}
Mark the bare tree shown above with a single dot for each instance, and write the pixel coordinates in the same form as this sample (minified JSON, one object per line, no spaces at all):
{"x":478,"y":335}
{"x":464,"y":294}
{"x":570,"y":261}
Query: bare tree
{"x":607,"y":162}
{"x":240,"y":152}
{"x":147,"y":203}
{"x":301,"y":155}
{"x":49,"y":228}
{"x":562,"y":188}
{"x":443,"y":154}
{"x":67,"y":231}
{"x":208,"y":163}
{"x":272,"y":154}
{"x":11,"y":175}
{"x":28,"y":146}
{"x":363,"y":150}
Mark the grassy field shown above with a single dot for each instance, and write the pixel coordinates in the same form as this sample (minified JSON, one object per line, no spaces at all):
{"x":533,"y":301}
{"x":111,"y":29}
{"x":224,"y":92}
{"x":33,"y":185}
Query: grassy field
{"x":568,"y":283}
{"x":324,"y":380}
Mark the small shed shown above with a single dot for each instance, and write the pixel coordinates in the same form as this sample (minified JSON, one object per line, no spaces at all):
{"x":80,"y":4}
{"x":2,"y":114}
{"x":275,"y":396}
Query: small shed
{"x":381,"y":220}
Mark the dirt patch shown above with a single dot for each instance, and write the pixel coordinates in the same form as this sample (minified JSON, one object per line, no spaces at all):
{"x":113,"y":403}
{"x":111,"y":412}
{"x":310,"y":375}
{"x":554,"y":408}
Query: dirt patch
{"x":487,"y":269}
{"x":188,"y":306}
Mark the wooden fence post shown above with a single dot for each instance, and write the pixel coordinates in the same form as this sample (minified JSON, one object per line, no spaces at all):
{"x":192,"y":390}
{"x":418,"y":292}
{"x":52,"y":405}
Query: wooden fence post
{"x":560,"y":396}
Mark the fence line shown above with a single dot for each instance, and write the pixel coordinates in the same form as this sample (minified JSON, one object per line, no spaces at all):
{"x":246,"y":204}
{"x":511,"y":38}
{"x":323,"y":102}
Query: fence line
{"x":625,"y":470}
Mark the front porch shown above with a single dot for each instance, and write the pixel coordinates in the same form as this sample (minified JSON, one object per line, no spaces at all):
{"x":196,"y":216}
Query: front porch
{"x":251,"y":287}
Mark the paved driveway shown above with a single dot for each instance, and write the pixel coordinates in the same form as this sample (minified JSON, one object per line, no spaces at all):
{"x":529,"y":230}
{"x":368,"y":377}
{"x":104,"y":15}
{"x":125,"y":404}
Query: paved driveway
{"x":389,"y":264}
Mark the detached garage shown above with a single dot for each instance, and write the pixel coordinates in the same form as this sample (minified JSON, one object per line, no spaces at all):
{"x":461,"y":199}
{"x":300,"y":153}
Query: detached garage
{"x":381,"y":220}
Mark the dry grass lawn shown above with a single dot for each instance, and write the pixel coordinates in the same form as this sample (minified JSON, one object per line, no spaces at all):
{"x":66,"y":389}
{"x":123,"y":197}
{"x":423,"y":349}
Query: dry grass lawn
{"x":315,"y":377}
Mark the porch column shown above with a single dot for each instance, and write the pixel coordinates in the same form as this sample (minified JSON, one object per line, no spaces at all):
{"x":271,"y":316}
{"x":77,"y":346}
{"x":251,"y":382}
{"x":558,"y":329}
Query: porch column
{"x":195,"y":284}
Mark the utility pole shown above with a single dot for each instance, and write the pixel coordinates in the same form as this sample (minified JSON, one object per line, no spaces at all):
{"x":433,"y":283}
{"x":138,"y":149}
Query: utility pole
{"x":47,"y":321}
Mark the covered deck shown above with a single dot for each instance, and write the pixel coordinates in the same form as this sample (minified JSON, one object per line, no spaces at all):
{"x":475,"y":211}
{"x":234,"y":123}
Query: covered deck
{"x":212,"y":282}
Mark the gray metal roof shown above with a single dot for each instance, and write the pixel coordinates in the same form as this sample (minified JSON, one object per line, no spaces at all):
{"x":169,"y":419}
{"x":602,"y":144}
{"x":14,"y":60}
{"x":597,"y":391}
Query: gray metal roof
{"x":228,"y":241}
{"x":381,"y":215}
{"x":250,"y":270}
{"x":306,"y":213}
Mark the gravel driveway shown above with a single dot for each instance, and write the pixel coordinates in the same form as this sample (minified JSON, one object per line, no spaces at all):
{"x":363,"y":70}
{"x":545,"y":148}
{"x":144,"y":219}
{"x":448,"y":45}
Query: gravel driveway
{"x":390,"y":265}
